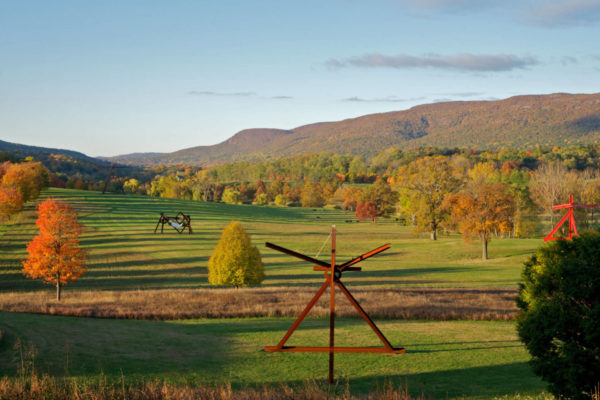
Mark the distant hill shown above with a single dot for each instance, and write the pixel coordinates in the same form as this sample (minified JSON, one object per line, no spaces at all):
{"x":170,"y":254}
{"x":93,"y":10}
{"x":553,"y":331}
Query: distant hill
{"x":516,"y":122}
{"x":23,"y":150}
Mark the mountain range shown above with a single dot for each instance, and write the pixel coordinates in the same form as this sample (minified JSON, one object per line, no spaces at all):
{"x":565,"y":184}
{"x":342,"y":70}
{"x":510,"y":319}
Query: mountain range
{"x":517,"y":122}
{"x":521,"y":122}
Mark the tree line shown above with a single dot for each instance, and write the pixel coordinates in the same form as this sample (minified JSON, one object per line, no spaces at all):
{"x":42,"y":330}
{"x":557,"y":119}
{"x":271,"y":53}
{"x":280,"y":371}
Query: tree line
{"x":19,"y":183}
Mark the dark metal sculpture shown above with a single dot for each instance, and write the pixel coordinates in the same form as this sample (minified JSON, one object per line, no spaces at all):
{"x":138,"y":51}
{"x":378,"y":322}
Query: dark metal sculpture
{"x":333,"y":274}
{"x":570,"y":217}
{"x":180,"y":222}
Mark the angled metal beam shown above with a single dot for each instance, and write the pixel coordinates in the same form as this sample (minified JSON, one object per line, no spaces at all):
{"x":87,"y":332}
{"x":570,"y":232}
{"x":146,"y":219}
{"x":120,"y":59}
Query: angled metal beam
{"x":302,"y":315}
{"x":364,"y":256}
{"x":365,"y":316}
{"x":298,"y":255}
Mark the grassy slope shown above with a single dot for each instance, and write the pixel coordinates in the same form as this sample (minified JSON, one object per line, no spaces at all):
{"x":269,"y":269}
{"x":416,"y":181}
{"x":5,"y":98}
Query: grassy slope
{"x":125,"y":254}
{"x":444,"y":359}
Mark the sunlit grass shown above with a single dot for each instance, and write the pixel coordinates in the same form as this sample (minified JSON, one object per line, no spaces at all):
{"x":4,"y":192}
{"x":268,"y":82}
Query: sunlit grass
{"x":124,"y":253}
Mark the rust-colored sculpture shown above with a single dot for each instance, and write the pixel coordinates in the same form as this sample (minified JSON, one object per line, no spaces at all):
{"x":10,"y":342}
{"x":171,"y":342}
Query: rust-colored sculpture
{"x":569,"y":216}
{"x":180,"y":222}
{"x":333,"y":275}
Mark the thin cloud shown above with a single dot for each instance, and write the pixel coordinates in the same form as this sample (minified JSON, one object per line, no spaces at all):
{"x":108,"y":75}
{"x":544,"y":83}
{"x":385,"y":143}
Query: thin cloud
{"x":281,"y":97}
{"x":464,"y":62}
{"x":388,"y":99}
{"x":565,"y":13}
{"x":567,"y":60}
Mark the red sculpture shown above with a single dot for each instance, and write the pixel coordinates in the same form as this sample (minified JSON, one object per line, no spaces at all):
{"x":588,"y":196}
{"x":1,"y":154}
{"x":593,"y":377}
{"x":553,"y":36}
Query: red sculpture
{"x":333,"y":275}
{"x":568,"y":216}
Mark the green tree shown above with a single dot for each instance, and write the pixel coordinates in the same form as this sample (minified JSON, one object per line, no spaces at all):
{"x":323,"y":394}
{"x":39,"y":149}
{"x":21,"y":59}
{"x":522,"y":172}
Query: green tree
{"x":559,"y":321}
{"x":428,"y":181}
{"x":381,"y":194}
{"x":235,"y":261}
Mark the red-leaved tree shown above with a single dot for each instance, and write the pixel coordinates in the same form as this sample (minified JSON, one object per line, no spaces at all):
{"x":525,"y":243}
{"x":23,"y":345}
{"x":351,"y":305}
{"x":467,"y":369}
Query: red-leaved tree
{"x":366,"y":210}
{"x":54,"y":254}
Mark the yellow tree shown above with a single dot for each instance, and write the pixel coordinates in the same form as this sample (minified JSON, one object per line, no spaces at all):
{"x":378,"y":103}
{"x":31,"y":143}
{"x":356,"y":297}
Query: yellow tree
{"x":482,"y":212}
{"x":312,"y":195}
{"x":428,"y":181}
{"x":235,"y":261}
{"x":54,"y":254}
{"x":351,"y":196}
{"x":27,"y":177}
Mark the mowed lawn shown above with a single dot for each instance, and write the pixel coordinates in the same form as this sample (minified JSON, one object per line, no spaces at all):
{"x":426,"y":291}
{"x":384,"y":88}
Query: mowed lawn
{"x":458,"y":359}
{"x":124,"y":253}
{"x":451,"y":359}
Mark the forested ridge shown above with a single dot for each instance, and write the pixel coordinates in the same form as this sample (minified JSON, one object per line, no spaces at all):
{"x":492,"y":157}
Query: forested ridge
{"x":518,"y":122}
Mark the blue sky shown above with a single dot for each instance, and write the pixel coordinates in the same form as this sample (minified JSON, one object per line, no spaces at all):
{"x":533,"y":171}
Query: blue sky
{"x":114,"y":77}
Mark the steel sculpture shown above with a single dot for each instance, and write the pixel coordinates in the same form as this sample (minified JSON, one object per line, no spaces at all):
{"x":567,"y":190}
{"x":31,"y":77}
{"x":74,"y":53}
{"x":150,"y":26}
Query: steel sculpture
{"x":333,"y":275}
{"x":570,"y":217}
{"x":180,"y":222}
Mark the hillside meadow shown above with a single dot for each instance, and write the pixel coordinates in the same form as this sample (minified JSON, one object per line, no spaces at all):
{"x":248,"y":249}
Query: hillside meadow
{"x":136,"y":274}
{"x":124,"y":253}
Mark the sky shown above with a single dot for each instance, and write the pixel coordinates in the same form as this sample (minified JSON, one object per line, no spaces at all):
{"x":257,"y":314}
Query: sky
{"x":115,"y":77}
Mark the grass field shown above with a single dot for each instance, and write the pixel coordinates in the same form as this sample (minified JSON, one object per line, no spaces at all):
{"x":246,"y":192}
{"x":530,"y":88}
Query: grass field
{"x":445,"y":359}
{"x":126,"y":254}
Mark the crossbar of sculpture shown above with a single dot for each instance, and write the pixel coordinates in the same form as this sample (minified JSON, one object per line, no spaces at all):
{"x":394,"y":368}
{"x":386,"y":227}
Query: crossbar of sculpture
{"x":333,"y":274}
{"x":569,"y":217}
{"x":180,"y":222}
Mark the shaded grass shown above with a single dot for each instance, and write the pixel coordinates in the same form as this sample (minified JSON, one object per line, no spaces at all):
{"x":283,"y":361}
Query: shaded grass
{"x":124,"y":253}
{"x":388,"y":303}
{"x":453,"y":359}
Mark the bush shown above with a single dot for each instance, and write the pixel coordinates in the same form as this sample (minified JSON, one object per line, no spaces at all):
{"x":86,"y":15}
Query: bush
{"x":261,"y":199}
{"x":231,"y":196}
{"x":235,"y":261}
{"x":559,"y":321}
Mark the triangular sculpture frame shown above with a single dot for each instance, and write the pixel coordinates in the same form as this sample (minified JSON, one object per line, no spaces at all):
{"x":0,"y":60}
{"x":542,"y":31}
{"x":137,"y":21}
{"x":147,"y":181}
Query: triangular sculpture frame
{"x":570,"y":217}
{"x":333,"y":275}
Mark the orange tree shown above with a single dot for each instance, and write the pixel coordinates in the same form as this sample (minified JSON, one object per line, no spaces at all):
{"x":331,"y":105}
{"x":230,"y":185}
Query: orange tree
{"x":351,"y":196}
{"x":54,"y":254}
{"x":366,"y":210}
{"x":11,"y":202}
{"x":27,"y":177}
{"x":482,"y":211}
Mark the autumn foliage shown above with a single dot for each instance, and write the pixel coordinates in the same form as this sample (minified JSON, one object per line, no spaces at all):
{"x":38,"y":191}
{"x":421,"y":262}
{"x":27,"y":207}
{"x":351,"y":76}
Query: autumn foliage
{"x":483,"y":211}
{"x":54,"y":254}
{"x":235,"y":261}
{"x":18,"y":184}
{"x":11,"y":202}
{"x":366,"y":210}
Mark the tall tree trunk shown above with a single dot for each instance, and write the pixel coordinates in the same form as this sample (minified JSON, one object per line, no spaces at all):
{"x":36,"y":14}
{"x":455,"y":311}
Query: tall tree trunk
{"x":58,"y":286}
{"x":434,"y":226}
{"x":484,"y":243}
